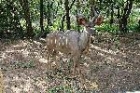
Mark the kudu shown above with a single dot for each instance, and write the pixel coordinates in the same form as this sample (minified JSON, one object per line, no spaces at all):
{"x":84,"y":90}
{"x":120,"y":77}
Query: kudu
{"x":72,"y":42}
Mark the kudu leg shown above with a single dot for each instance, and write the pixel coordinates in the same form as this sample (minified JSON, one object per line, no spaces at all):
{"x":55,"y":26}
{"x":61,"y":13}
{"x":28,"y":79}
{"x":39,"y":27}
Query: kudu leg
{"x":76,"y":63}
{"x":51,"y":55}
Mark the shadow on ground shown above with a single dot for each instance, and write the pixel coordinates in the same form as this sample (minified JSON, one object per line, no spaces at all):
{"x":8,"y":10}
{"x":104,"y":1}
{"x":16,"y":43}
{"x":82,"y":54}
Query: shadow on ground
{"x":111,"y":66}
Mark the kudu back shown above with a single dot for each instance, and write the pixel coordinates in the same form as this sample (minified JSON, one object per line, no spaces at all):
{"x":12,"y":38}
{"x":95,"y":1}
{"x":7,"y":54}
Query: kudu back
{"x":72,"y":42}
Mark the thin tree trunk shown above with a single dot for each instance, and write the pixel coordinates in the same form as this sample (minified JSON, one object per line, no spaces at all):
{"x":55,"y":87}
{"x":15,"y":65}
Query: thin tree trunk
{"x":78,"y":11}
{"x":62,"y":23}
{"x":67,"y":14}
{"x":139,"y":23}
{"x":26,"y":10}
{"x":125,"y":16}
{"x":112,"y":13}
{"x":67,"y":8}
{"x":118,"y":12}
{"x":49,"y":13}
{"x":41,"y":16}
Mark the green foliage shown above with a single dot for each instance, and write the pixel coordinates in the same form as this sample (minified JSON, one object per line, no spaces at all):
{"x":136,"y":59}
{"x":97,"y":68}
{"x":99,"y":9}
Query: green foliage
{"x":29,"y":64}
{"x":108,"y":28}
{"x":34,"y":9}
{"x":60,"y":89}
{"x":10,"y":20}
{"x":13,"y":23}
{"x":133,"y":28}
{"x":133,"y":25}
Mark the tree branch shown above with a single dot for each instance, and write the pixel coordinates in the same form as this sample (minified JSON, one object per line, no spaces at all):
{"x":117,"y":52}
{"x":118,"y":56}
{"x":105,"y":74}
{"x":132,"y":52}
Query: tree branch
{"x":72,"y":4}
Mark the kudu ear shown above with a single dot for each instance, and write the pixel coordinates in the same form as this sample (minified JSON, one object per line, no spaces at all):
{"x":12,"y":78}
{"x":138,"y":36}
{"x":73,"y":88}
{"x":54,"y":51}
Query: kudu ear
{"x":81,"y":20}
{"x":97,"y":20}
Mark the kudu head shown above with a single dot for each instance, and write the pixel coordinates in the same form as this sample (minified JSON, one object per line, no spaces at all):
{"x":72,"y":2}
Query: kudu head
{"x":89,"y":24}
{"x":96,"y":20}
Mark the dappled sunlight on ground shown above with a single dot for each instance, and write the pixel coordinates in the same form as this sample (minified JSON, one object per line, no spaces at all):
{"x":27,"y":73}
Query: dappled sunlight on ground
{"x":109,"y":67}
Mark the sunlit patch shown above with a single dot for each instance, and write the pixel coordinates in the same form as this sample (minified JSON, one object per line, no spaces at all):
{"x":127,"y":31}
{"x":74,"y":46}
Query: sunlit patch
{"x":16,"y":89}
{"x":133,"y":92}
{"x":3,"y":56}
{"x":107,"y":51}
{"x":38,"y":43}
{"x":20,"y":84}
{"x":90,"y":85}
{"x":101,"y":54}
{"x":43,"y":60}
{"x":85,"y":64}
{"x":25,"y":52}
{"x":54,"y":63}
{"x":28,"y":85}
{"x":21,"y":44}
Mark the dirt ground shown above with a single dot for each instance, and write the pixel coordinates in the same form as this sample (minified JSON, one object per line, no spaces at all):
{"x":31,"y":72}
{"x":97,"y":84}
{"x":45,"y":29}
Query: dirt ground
{"x":112,"y":65}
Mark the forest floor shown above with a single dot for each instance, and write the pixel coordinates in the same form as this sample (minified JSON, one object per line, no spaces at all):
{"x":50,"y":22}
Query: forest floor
{"x":112,"y":65}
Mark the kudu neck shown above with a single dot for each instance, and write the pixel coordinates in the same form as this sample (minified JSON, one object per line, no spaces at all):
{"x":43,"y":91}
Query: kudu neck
{"x":88,"y":30}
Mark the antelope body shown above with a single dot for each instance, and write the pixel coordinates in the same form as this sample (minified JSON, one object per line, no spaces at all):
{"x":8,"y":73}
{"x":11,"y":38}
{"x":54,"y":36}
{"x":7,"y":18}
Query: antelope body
{"x":71,"y":42}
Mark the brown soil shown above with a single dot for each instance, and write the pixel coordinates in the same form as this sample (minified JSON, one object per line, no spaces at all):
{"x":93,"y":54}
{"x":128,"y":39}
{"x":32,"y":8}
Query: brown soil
{"x":111,"y":66}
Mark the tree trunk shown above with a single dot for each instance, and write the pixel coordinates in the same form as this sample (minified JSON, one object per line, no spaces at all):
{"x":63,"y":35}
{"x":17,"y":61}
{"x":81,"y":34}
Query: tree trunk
{"x":41,"y":16}
{"x":125,"y":16}
{"x":67,"y":9}
{"x":139,"y":23}
{"x":26,"y":10}
{"x":112,"y":13}
{"x":49,"y":13}
{"x":118,"y":12}
{"x":62,"y":23}
{"x":67,"y":14}
{"x":78,"y":12}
